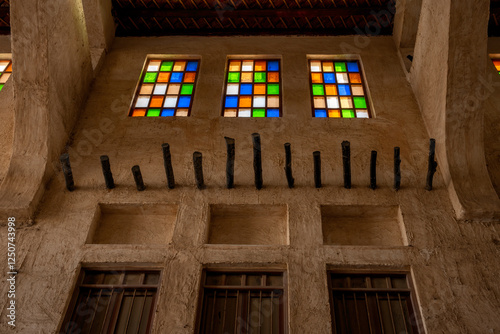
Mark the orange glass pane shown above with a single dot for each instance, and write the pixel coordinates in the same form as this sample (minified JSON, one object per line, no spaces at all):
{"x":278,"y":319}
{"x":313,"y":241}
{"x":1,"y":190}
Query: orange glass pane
{"x":259,"y":89}
{"x":163,"y":76}
{"x":334,"y":113}
{"x":247,"y":77}
{"x":260,"y":66}
{"x":156,"y":102}
{"x":234,"y":66}
{"x":327,"y":66}
{"x":139,"y":112}
{"x":245,"y":101}
{"x":355,"y":77}
{"x":273,"y":77}
{"x":189,"y":77}
{"x":9,"y":68}
{"x":317,"y":77}
{"x":331,"y":90}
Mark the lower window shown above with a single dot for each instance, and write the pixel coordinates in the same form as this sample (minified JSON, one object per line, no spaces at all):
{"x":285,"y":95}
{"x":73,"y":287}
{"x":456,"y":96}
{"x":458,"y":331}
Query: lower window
{"x":120,"y":301}
{"x":371,"y":303}
{"x":243,"y":302}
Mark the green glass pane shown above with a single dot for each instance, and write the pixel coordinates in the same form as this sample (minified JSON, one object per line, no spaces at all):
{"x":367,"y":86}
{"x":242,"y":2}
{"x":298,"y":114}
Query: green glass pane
{"x":233,"y":77}
{"x":359,"y":102}
{"x":153,"y":112}
{"x":318,"y":90}
{"x":259,"y":76}
{"x":347,"y":113}
{"x":259,"y":113}
{"x":340,"y":67}
{"x":150,"y":77}
{"x":273,"y":89}
{"x":1,"y":86}
{"x":166,"y":66}
{"x":188,"y":90}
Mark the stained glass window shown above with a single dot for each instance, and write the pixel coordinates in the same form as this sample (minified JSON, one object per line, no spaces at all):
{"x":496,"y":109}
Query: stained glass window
{"x":166,"y":88}
{"x":253,"y":88}
{"x":337,"y":89}
{"x":496,"y":62}
{"x":5,"y":71}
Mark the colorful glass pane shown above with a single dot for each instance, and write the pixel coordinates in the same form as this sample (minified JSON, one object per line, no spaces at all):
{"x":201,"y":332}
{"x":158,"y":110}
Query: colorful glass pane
{"x":337,"y":89}
{"x":167,"y":88}
{"x":253,"y":88}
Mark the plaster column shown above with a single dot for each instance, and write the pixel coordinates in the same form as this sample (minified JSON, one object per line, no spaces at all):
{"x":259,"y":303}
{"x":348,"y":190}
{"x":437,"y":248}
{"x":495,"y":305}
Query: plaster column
{"x":406,"y":22}
{"x":52,"y":73}
{"x":448,"y":72}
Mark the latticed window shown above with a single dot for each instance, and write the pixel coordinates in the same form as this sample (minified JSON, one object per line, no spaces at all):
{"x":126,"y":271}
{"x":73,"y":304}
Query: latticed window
{"x":496,"y":62}
{"x":371,"y":303}
{"x":243,"y":302}
{"x":337,"y":89}
{"x":166,"y":88}
{"x":112,"y":302}
{"x":5,"y":71}
{"x":253,"y":88}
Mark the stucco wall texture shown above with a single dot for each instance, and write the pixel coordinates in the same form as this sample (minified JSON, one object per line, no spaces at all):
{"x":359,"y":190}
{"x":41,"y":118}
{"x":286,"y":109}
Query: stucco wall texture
{"x":454,"y":264}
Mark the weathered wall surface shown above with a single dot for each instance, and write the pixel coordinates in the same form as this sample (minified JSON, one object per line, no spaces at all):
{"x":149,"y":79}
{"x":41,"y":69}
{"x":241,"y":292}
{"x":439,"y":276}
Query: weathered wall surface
{"x":454,"y":265}
{"x":6,"y":113}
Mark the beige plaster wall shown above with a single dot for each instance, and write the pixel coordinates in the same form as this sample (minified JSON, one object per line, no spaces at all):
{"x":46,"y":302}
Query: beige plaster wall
{"x":454,"y":264}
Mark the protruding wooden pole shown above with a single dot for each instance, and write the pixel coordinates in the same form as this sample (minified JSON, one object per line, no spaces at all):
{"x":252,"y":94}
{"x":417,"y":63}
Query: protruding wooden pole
{"x":167,"y":162}
{"x":230,"y":163}
{"x":432,"y":167}
{"x":106,"y":171}
{"x":288,"y":165}
{"x":257,"y":160}
{"x":198,"y":170}
{"x":139,"y":183}
{"x":346,"y":159}
{"x":373,"y":170}
{"x":68,"y":174}
{"x":317,"y":169}
{"x":397,"y":168}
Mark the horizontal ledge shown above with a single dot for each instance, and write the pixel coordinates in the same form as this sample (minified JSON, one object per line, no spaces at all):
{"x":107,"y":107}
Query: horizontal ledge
{"x":248,"y":13}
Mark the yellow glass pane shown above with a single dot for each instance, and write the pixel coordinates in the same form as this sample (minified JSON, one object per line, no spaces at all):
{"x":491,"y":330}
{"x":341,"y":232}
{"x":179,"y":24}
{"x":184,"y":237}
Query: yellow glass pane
{"x":260,"y":89}
{"x":331,"y":90}
{"x":4,"y":77}
{"x":234,"y":66}
{"x":273,"y":102}
{"x":139,"y":112}
{"x":317,"y":77}
{"x":173,"y":89}
{"x":273,"y":77}
{"x":179,"y":66}
{"x":346,"y":102}
{"x":328,"y":66}
{"x":146,"y":89}
{"x":355,"y":78}
{"x":245,"y":101}
{"x":334,"y":113}
{"x":156,"y":102}
{"x":357,"y":90}
{"x":247,"y":77}
{"x":230,"y":112}
{"x":163,"y":76}
{"x":260,"y":65}
{"x":319,"y":102}
{"x":182,"y":112}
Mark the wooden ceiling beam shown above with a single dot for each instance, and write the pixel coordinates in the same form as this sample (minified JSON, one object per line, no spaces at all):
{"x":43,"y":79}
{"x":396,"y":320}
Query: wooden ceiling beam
{"x":246,"y":13}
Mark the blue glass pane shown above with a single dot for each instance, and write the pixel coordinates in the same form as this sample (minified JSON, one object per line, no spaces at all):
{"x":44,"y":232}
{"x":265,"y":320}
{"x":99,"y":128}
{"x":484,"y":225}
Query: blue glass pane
{"x":273,"y":65}
{"x":192,"y":66}
{"x":176,"y":77}
{"x":231,"y":101}
{"x":344,"y":90}
{"x":167,"y":112}
{"x":273,"y":113}
{"x":184,"y":102}
{"x":246,"y":89}
{"x":353,"y":67}
{"x":329,"y":77}
{"x":319,"y":112}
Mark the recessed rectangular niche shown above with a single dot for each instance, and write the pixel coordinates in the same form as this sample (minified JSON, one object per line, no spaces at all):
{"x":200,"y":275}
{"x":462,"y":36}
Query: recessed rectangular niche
{"x":363,"y":225}
{"x":151,"y":224}
{"x":250,"y":224}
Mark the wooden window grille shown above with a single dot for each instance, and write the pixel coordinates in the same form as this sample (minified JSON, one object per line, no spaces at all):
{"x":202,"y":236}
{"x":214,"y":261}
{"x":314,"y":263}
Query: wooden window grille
{"x":113,"y":302}
{"x":243,"y":302}
{"x":371,"y":303}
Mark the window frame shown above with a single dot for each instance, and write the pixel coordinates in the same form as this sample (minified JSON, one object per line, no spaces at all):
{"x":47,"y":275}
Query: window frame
{"x":112,"y":315}
{"x":413,"y":305}
{"x":364,"y":83}
{"x":243,"y":270}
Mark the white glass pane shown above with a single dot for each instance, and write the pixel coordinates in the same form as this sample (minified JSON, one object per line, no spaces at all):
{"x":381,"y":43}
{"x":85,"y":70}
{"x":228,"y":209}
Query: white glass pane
{"x":244,"y":113}
{"x":142,"y":102}
{"x":315,"y":66}
{"x":247,"y":66}
{"x":332,"y":102}
{"x":154,"y":66}
{"x":160,"y":89}
{"x":362,"y":114}
{"x":233,"y":89}
{"x":259,"y":102}
{"x":342,"y":78}
{"x":170,"y":102}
